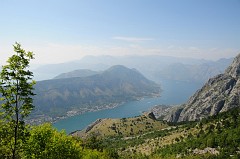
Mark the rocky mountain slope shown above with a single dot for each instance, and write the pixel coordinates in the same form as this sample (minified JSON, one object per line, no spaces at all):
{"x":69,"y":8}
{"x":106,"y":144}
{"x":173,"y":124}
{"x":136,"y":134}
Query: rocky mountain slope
{"x":219,"y":94}
{"x":71,"y":96}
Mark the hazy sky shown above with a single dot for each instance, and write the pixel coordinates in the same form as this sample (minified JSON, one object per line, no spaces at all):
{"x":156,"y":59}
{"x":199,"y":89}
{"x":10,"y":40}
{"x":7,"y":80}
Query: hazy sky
{"x":64,"y":30}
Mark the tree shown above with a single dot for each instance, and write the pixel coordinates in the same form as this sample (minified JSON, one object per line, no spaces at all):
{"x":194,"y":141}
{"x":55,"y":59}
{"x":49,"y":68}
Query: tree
{"x":46,"y":142}
{"x":16,"y":91}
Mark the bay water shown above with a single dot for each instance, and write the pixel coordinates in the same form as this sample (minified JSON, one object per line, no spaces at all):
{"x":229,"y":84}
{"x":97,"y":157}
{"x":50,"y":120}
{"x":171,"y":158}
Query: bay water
{"x":174,"y":92}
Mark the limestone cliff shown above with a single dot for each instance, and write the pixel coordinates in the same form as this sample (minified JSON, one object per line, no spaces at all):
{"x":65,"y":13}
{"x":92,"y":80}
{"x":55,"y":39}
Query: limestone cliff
{"x":219,"y":94}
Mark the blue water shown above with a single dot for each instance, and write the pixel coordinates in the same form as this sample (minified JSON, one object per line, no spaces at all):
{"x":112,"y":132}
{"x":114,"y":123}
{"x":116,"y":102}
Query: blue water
{"x":173,"y":93}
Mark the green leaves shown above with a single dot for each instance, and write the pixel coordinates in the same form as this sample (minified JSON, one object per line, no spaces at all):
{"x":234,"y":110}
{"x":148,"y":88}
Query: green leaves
{"x":16,"y":86}
{"x":16,"y":91}
{"x":46,"y":142}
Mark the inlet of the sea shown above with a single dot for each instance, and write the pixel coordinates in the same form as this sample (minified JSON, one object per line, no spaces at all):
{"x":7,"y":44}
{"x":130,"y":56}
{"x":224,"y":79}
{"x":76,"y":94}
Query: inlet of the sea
{"x":174,"y":92}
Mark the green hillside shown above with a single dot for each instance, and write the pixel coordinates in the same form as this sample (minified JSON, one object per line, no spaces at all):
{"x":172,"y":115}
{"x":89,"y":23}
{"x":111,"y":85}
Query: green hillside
{"x":125,"y":127}
{"x":71,"y":96}
{"x":215,"y":137}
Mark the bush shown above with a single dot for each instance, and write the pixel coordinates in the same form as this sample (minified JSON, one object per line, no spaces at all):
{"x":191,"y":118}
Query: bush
{"x":46,"y":142}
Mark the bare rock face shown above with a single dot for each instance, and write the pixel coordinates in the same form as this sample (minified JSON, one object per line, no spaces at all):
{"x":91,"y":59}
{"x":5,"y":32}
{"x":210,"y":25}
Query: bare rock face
{"x":219,"y":94}
{"x":173,"y":114}
{"x":151,"y":116}
{"x":234,"y":69}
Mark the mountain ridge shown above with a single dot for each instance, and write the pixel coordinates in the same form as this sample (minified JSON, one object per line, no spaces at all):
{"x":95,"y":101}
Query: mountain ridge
{"x":60,"y":97}
{"x":156,"y":69}
{"x":219,"y":94}
{"x":77,"y":73}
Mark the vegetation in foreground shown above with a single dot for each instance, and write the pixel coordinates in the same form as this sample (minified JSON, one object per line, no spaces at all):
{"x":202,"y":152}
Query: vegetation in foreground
{"x":19,"y":140}
{"x":45,"y":142}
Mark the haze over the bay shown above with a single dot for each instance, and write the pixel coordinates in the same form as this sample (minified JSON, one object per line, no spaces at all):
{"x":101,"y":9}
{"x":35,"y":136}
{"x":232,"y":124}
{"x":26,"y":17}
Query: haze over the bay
{"x":60,"y":31}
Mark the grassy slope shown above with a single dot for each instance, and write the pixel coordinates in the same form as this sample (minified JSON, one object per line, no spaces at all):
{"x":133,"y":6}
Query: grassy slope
{"x":125,"y":127}
{"x":221,"y":132}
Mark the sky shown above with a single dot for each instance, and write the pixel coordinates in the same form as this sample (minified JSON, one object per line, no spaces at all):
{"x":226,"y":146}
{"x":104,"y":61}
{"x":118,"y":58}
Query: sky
{"x":64,"y":30}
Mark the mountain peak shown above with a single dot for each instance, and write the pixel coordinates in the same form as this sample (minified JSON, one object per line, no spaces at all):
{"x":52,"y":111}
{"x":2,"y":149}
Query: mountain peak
{"x":77,"y":73}
{"x":122,"y":72}
{"x":234,"y":69}
{"x":120,"y":68}
{"x":117,"y":67}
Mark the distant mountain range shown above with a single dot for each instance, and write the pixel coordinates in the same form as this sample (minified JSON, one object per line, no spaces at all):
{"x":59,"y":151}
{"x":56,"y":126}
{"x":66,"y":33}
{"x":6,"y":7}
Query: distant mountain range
{"x":189,"y":74}
{"x":156,"y":68}
{"x":192,"y":72}
{"x":71,"y":95}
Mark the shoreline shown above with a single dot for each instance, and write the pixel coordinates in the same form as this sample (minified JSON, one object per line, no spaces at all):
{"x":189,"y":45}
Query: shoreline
{"x":71,"y":113}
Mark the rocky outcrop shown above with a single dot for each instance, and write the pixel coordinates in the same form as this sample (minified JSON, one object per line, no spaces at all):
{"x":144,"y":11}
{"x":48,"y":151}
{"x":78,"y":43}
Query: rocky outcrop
{"x":160,"y":111}
{"x":173,"y":114}
{"x":92,"y":125}
{"x":209,"y":150}
{"x":234,"y":69}
{"x":219,"y":94}
{"x":151,"y":116}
